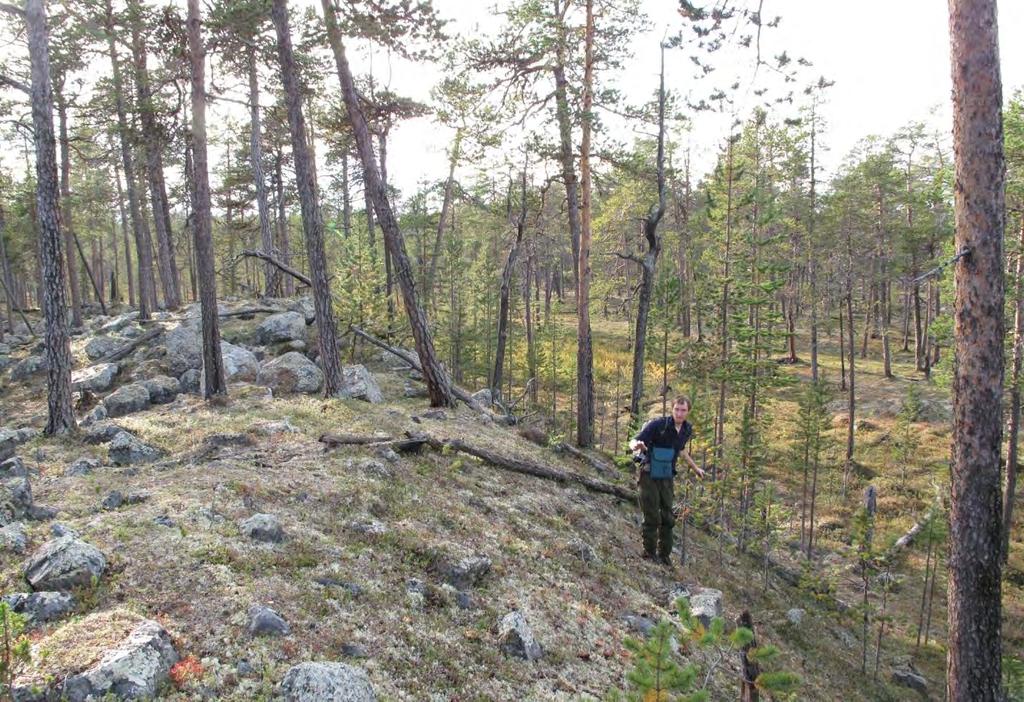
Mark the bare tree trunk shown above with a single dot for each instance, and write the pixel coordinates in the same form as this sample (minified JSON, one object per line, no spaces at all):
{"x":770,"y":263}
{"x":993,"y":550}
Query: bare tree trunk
{"x":124,"y":234}
{"x":723,"y":327}
{"x":66,"y":213}
{"x":446,"y":203}
{"x":5,"y":272}
{"x":214,"y":382}
{"x":584,"y":348}
{"x":565,"y":140}
{"x":60,"y":415}
{"x":973,"y":663}
{"x":312,"y":218}
{"x":503,"y":297}
{"x":1013,"y":422}
{"x":437,"y":381}
{"x":282,"y":222}
{"x":271,"y":276}
{"x":852,"y":402}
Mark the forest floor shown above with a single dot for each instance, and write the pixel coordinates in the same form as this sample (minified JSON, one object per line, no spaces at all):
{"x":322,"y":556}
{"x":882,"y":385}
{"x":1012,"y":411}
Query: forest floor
{"x":362,"y":576}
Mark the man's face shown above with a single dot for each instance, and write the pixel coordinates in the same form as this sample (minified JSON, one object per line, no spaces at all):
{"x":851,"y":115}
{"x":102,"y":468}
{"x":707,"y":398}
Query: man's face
{"x":680,"y":411}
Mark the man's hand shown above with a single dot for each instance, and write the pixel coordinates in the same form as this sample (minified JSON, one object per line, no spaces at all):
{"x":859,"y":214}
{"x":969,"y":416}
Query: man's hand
{"x":635,"y":445}
{"x":698,"y":471}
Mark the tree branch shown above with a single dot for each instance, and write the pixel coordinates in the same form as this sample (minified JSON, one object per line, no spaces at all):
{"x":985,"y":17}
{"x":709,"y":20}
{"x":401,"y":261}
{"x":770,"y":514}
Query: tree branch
{"x":16,"y":84}
{"x":13,"y":9}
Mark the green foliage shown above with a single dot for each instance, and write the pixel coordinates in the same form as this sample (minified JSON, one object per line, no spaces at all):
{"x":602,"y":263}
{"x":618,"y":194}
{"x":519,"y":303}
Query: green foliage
{"x":1013,"y":679}
{"x":905,"y":441}
{"x":15,"y":653}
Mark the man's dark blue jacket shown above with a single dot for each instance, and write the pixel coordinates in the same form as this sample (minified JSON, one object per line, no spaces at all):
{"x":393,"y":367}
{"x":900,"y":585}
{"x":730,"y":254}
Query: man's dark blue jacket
{"x":662,"y":432}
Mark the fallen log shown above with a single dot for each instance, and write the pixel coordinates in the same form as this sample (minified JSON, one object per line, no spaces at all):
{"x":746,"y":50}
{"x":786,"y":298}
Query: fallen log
{"x":905,"y":540}
{"x":525,"y":467}
{"x":335,"y":440}
{"x":413,"y":361}
{"x":122,"y":351}
{"x":592,"y":461}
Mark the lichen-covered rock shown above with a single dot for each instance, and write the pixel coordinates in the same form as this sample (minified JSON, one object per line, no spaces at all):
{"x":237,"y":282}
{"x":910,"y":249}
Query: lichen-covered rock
{"x":13,"y":537}
{"x":283,"y":326}
{"x":326,"y":682}
{"x":468,"y":572}
{"x":28,"y":366}
{"x":483,"y":397}
{"x":101,"y":433}
{"x":189,"y":380}
{"x":118,"y":323}
{"x":263,"y":527}
{"x":100,"y":346}
{"x":162,"y":389}
{"x":263,"y":621}
{"x":126,"y":450}
{"x":516,"y":637}
{"x":15,"y":499}
{"x":11,"y":439}
{"x":82,"y":466}
{"x":291,"y":372}
{"x":40,"y":607}
{"x":359,"y":383}
{"x":64,"y":563}
{"x":184,"y":346}
{"x":706,"y":604}
{"x":13,"y":467}
{"x":912,"y":679}
{"x":240,"y":364}
{"x":127,"y":399}
{"x":98,"y":378}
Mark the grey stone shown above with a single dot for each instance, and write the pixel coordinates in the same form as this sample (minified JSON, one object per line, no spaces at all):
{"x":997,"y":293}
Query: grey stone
{"x":676,"y":592}
{"x":582,"y":550}
{"x":414,"y":389}
{"x":132,"y":331}
{"x":40,"y":607}
{"x":27,"y":367}
{"x":240,"y":363}
{"x":912,"y":679}
{"x":351,"y":588}
{"x":127,"y":399}
{"x":303,"y":305}
{"x":389,"y":455}
{"x":82,"y":466}
{"x":639,"y":624}
{"x":264,"y":621}
{"x":370,"y":527}
{"x":263,"y":527}
{"x":41,"y":514}
{"x":706,"y":605}
{"x":11,"y":439}
{"x":164,"y":520}
{"x":13,"y":537}
{"x":468,"y":572}
{"x":162,"y":389}
{"x":118,"y":323}
{"x":113,"y":500}
{"x":101,"y":433}
{"x":189,"y":380}
{"x":795,"y":616}
{"x":326,"y":682}
{"x":184,"y":346}
{"x":370,"y":466}
{"x":13,"y":467}
{"x":135,"y":669}
{"x":15,"y":499}
{"x":98,"y":378}
{"x":358,"y":383}
{"x":437,"y":413}
{"x":483,"y":397}
{"x":101,"y":346}
{"x":244,"y":668}
{"x":515,"y":637}
{"x":98,"y":414}
{"x":354,"y":650}
{"x":283,"y":326}
{"x":464,"y":600}
{"x":59,"y":530}
{"x":126,"y":450}
{"x":290,"y":372}
{"x":64,"y":563}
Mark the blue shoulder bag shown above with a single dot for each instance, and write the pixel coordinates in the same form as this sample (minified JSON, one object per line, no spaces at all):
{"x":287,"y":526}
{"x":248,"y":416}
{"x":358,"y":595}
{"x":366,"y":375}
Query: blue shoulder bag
{"x":661,"y":461}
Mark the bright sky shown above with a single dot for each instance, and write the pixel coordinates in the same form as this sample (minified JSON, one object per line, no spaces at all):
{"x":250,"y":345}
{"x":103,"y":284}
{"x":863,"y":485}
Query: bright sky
{"x":889,"y":60}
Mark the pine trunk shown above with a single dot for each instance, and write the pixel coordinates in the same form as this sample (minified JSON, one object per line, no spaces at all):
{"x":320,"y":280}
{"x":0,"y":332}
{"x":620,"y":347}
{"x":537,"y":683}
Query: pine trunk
{"x":1013,"y":422}
{"x":66,"y":214}
{"x":584,"y":348}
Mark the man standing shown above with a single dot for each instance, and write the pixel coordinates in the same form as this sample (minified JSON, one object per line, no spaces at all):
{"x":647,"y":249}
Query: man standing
{"x":662,"y":441}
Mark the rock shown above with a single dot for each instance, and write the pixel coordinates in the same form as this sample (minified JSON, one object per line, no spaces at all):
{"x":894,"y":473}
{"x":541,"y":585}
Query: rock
{"x":516,"y":638}
{"x":582,"y":550}
{"x":189,"y":381}
{"x":351,"y":588}
{"x":270,"y":428}
{"x":795,"y":616}
{"x":370,"y":527}
{"x":127,"y":399}
{"x":354,"y":650}
{"x":101,"y":346}
{"x":64,"y":563}
{"x":326,"y":682}
{"x":150,"y":368}
{"x":102,"y":433}
{"x":303,"y":305}
{"x":135,"y":669}
{"x":676,"y":592}
{"x":13,"y":537}
{"x":240,"y":363}
{"x":184,"y":346}
{"x":483,"y":397}
{"x":912,"y":679}
{"x":468,"y":572}
{"x":706,"y":605}
{"x":283,"y":326}
{"x":263,"y":527}
{"x":41,"y":514}
{"x":98,"y":378}
{"x":639,"y":624}
{"x":118,"y":323}
{"x":126,"y":450}
{"x":15,"y":499}
{"x":10,"y":439}
{"x":13,"y":467}
{"x":98,"y":414}
{"x":436,"y":413}
{"x":132,"y":331}
{"x":413,"y":389}
{"x":82,"y":466}
{"x":113,"y":500}
{"x":164,"y":520}
{"x":264,"y":621}
{"x":291,"y":372}
{"x":40,"y":607}
{"x":162,"y":389}
{"x":369,"y":466}
{"x":59,"y":530}
{"x":388,"y":454}
{"x":27,"y":367}
{"x":358,"y":383}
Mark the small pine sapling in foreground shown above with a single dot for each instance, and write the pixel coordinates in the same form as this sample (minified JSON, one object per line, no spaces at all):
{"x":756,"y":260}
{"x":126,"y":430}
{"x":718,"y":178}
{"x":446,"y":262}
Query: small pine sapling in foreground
{"x":15,"y":653}
{"x":906,"y":443}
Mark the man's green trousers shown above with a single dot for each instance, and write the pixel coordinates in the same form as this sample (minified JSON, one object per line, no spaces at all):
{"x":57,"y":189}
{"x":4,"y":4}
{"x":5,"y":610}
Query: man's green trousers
{"x":656,"y":503}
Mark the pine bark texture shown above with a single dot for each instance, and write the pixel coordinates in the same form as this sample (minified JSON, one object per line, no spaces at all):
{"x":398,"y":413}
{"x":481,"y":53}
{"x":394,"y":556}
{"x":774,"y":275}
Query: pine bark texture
{"x":585,"y":348}
{"x":213,"y":364}
{"x":60,"y":414}
{"x":438,"y":384}
{"x":1013,"y":421}
{"x":973,"y":666}
{"x":65,"y":193}
{"x":312,"y":217}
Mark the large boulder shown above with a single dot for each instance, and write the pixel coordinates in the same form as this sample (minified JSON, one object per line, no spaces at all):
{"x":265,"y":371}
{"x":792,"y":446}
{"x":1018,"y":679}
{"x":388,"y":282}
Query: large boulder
{"x":28,"y":366}
{"x":263,"y":527}
{"x":184,"y":346}
{"x":240,"y":364}
{"x":13,"y":537}
{"x":283,"y":326}
{"x":359,"y":383}
{"x":64,"y":563}
{"x":13,"y":467}
{"x":516,"y":637}
{"x":305,"y":306}
{"x":126,"y":450}
{"x":98,"y":378}
{"x":706,"y":605}
{"x":40,"y":607}
{"x":15,"y":500}
{"x":127,"y":399}
{"x":118,"y":323}
{"x":162,"y":389}
{"x":291,"y":372}
{"x":134,"y":669}
{"x":326,"y":682}
{"x":100,"y":346}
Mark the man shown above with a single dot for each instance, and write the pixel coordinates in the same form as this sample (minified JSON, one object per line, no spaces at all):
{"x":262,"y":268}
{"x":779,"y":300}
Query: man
{"x":662,"y":441}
